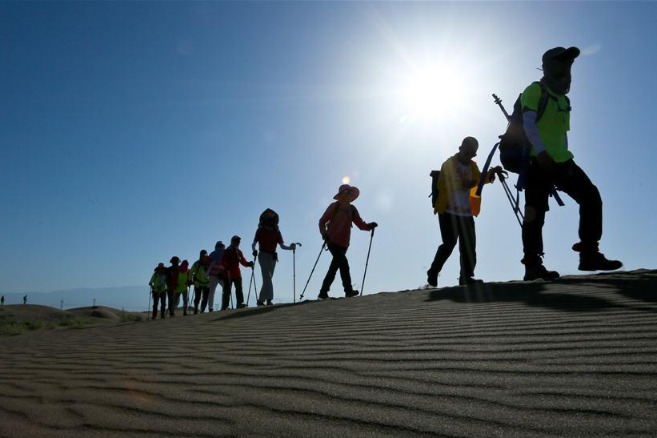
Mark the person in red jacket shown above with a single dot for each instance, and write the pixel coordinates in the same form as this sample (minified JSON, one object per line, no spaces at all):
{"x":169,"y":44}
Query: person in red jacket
{"x":335,"y":228}
{"x":230,"y":261}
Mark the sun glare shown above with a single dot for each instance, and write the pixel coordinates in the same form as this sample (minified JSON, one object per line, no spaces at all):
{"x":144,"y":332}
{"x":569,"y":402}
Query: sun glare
{"x":432,"y":92}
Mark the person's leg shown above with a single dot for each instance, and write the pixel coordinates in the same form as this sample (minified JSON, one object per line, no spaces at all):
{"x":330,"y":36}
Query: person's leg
{"x":225,"y":297}
{"x":204,"y":292}
{"x":239,"y":293}
{"x":163,"y":303}
{"x":185,"y":295}
{"x":214,"y":282}
{"x":345,"y":273}
{"x":330,"y":274}
{"x":467,"y":247}
{"x":267,"y":263}
{"x":197,"y":298}
{"x":170,"y":297}
{"x":156,"y":301}
{"x":537,"y":192}
{"x":574,"y":181}
{"x":449,"y":235}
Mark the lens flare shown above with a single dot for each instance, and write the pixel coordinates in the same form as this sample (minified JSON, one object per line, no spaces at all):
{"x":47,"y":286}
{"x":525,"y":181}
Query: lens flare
{"x":346,"y":180}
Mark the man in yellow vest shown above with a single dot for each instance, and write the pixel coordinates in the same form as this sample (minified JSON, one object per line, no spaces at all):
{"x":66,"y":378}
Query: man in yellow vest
{"x":456,"y":205}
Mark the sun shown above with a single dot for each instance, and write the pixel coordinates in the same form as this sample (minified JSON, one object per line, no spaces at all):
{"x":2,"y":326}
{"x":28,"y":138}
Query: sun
{"x":432,"y":92}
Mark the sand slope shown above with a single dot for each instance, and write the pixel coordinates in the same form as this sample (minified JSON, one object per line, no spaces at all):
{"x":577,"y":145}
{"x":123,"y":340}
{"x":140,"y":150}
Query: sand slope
{"x":573,"y":358}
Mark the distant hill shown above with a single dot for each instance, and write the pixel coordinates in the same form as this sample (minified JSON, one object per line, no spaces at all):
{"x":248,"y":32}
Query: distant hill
{"x":129,"y":298}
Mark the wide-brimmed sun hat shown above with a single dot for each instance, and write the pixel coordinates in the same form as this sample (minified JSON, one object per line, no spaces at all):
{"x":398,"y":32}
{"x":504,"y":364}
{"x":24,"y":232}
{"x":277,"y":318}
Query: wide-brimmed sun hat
{"x":347,"y":192}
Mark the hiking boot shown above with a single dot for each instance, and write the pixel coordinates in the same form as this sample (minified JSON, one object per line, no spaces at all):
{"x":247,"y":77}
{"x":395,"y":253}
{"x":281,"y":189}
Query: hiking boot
{"x":351,"y":293}
{"x":260,"y":303}
{"x":466,"y":281}
{"x":591,"y":259}
{"x":322,"y":296}
{"x":269,"y":303}
{"x":241,"y":306}
{"x":432,"y":278}
{"x":535,"y":270}
{"x":597,"y":261}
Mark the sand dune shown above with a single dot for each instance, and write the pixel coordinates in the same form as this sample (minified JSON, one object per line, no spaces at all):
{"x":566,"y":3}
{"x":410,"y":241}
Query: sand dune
{"x":573,"y":358}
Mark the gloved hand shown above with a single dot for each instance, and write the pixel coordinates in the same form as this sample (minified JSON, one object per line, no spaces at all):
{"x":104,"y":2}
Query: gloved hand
{"x":255,"y":253}
{"x":251,"y":264}
{"x":293,"y":246}
{"x":324,"y":237}
{"x":373,"y":225}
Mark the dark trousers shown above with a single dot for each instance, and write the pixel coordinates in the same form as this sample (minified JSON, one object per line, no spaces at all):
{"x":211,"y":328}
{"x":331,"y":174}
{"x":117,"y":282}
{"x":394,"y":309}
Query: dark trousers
{"x":339,"y":262}
{"x":239,"y":294}
{"x":201,"y":294}
{"x":452,"y":229}
{"x":159,"y":299}
{"x":569,"y":178}
{"x":171,"y":296}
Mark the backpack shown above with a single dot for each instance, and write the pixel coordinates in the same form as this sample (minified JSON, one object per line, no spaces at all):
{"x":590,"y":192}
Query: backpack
{"x":434,"y":174}
{"x":268,"y":218}
{"x":515,"y":148}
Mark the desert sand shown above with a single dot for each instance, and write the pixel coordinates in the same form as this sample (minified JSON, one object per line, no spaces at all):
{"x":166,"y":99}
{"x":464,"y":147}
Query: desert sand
{"x":571,"y":358}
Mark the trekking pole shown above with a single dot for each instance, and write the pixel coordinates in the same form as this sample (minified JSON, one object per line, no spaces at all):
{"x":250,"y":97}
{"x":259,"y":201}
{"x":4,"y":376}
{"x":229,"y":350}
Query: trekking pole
{"x":149,"y":303}
{"x":255,"y":288}
{"x":294,"y":272}
{"x":367,"y":261}
{"x":313,"y":270}
{"x":251,"y":280}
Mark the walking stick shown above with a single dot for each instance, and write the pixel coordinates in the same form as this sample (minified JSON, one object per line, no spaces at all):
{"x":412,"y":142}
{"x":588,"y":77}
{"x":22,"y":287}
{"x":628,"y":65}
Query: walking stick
{"x":294,"y":272}
{"x":367,"y":261}
{"x":150,"y":313}
{"x":251,"y":280}
{"x":313,"y":270}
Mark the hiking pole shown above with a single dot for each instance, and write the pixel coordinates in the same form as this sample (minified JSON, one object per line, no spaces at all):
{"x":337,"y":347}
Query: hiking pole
{"x":313,"y":270}
{"x":251,"y":280}
{"x":294,"y":272}
{"x":367,"y":261}
{"x":149,"y":303}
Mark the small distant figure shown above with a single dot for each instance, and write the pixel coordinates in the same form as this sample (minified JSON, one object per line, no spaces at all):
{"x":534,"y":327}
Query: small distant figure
{"x":267,"y":236}
{"x":456,"y":205}
{"x":201,"y":281}
{"x":158,"y":286}
{"x":215,"y":272}
{"x":231,"y":260}
{"x":172,"y":282}
{"x":24,"y":299}
{"x":335,"y":228}
{"x":2,"y":301}
{"x":182,"y":287}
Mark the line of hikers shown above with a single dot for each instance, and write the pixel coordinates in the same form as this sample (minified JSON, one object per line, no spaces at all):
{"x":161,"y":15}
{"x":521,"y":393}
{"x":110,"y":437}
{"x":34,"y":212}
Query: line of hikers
{"x":542,"y":119}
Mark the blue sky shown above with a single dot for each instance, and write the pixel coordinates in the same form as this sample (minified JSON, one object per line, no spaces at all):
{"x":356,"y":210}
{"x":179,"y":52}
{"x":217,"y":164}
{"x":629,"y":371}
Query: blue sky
{"x":135,"y":131}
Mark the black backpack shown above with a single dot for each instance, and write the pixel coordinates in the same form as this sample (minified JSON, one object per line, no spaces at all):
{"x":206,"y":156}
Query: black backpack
{"x":434,"y":174}
{"x":515,"y":148}
{"x":268,"y":218}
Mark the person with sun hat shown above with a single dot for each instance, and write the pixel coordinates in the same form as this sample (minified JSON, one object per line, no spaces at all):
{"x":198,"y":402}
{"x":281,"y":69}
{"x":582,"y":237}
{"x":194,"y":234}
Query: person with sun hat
{"x":335,"y":228}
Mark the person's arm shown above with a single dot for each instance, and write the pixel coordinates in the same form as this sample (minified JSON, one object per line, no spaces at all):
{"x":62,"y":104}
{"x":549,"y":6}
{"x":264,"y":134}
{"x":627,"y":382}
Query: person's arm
{"x":360,"y":223}
{"x":531,"y":130}
{"x":283,"y":245}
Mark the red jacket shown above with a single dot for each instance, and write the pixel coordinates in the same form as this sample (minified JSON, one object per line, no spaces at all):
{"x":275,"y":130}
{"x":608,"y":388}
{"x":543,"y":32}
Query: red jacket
{"x":231,"y":259}
{"x":336,"y":221}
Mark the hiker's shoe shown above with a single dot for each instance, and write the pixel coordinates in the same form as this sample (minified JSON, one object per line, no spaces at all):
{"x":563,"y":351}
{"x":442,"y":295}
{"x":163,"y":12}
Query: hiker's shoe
{"x":466,"y":281}
{"x":351,"y":293}
{"x":260,"y":303}
{"x":432,"y":278}
{"x":322,"y":296}
{"x":597,"y":262}
{"x":241,"y":305}
{"x":534,"y":269}
{"x":269,"y":303}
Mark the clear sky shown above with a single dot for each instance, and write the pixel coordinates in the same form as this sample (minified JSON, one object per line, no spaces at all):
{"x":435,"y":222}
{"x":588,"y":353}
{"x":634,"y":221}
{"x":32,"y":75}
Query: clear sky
{"x":134,"y":131}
